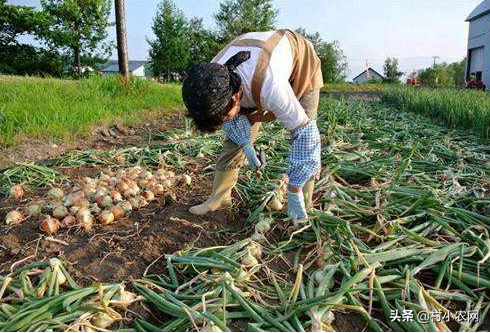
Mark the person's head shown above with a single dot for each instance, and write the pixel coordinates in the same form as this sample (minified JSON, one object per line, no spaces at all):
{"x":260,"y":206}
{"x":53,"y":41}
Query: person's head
{"x":212,"y":93}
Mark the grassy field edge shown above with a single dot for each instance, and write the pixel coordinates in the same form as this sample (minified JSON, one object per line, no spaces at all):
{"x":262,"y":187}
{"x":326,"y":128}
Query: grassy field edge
{"x":40,"y":108}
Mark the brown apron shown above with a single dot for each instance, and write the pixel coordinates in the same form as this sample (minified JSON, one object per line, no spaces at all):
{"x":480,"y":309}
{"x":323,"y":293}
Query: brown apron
{"x":306,"y":74}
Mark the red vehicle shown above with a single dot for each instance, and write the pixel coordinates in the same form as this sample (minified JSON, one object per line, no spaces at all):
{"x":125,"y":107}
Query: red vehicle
{"x":475,"y":84}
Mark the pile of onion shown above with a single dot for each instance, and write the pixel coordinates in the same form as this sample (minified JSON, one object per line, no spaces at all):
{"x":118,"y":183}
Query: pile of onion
{"x":103,"y":199}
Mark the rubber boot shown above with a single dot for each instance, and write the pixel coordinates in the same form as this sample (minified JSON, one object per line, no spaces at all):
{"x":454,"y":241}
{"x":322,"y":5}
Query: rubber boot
{"x":308,"y":193}
{"x":224,"y":181}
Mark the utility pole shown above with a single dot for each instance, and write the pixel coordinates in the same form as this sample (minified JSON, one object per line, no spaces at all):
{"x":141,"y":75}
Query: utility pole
{"x":122,"y":41}
{"x":435,"y":59}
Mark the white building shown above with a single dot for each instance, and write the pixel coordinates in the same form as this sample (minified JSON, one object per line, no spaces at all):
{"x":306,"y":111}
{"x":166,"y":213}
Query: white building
{"x":136,"y":68}
{"x":478,"y":64}
{"x":368,"y":75}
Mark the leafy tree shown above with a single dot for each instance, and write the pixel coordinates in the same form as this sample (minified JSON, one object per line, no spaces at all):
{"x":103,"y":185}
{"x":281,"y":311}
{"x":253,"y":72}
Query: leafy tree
{"x":440,"y":75}
{"x":79,"y":27}
{"x":21,"y":59}
{"x":392,"y":74}
{"x":459,"y":71}
{"x":334,"y":64}
{"x":236,"y":17}
{"x":169,"y":51}
{"x":202,"y":44}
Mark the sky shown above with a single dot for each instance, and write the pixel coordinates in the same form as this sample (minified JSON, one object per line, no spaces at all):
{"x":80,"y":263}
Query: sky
{"x":367,"y":30}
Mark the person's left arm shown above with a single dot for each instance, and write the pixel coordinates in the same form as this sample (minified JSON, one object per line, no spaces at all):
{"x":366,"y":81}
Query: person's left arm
{"x":304,"y":158}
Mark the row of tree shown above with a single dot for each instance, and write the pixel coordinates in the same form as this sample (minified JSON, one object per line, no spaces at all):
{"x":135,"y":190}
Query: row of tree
{"x":66,"y":34}
{"x":444,"y":75}
{"x":179,"y":41}
{"x":437,"y":76}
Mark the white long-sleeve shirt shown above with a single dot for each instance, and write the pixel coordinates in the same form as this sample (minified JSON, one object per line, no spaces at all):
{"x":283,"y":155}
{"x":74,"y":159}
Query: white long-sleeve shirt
{"x":277,"y":95}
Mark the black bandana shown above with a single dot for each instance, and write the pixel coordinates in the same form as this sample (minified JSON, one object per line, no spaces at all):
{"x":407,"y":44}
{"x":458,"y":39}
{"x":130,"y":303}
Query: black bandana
{"x":208,"y":88}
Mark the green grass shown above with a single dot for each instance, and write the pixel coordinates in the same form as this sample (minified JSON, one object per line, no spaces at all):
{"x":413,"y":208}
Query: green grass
{"x":59,"y":109}
{"x":352,"y":87}
{"x":465,"y":109}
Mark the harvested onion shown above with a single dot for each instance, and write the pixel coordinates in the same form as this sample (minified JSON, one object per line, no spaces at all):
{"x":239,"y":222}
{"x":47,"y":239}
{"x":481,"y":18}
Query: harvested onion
{"x":56,"y":193}
{"x":73,"y":198}
{"x":16,"y":192}
{"x":33,"y":210}
{"x":186,"y":179}
{"x":50,"y":225}
{"x":126,"y":206}
{"x":68,"y":221}
{"x":104,"y":202}
{"x":106,"y":217}
{"x":116,"y":196}
{"x":60,"y":212}
{"x":85,"y":219}
{"x":118,"y":212}
{"x":14,"y":217}
{"x":158,"y":189}
{"x":148,"y":195}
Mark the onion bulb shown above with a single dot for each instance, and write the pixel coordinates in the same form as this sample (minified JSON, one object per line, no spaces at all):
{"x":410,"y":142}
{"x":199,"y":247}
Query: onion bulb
{"x":249,"y":260}
{"x":73,"y":198}
{"x":123,"y":298}
{"x":148,"y":195}
{"x":104,"y":202}
{"x":116,"y":196}
{"x":50,"y":225}
{"x":126,"y":206}
{"x":94,"y":209}
{"x":14,"y":217}
{"x":56,"y":193}
{"x":167,"y":183}
{"x":60,"y":212}
{"x":83,"y":203}
{"x":103,"y":320}
{"x":118,"y":212}
{"x":186,"y":179}
{"x":255,"y":250}
{"x":68,"y":221}
{"x":263,"y":226}
{"x":16,"y":192}
{"x":85,"y":218}
{"x":122,"y":186}
{"x":275,"y":204}
{"x":106,"y":217}
{"x":146,"y":175}
{"x":143,"y":202}
{"x":135,"y":202}
{"x":158,"y":189}
{"x":33,"y":210}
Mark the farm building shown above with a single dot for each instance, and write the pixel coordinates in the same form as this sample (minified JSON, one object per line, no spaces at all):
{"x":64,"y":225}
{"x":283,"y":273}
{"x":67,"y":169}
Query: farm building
{"x":367,"y":76}
{"x":136,"y":68}
{"x":478,"y":65}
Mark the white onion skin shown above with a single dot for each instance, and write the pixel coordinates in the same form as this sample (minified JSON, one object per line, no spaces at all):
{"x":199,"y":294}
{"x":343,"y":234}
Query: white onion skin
{"x":14,"y":217}
{"x":186,"y":179}
{"x":85,"y":219}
